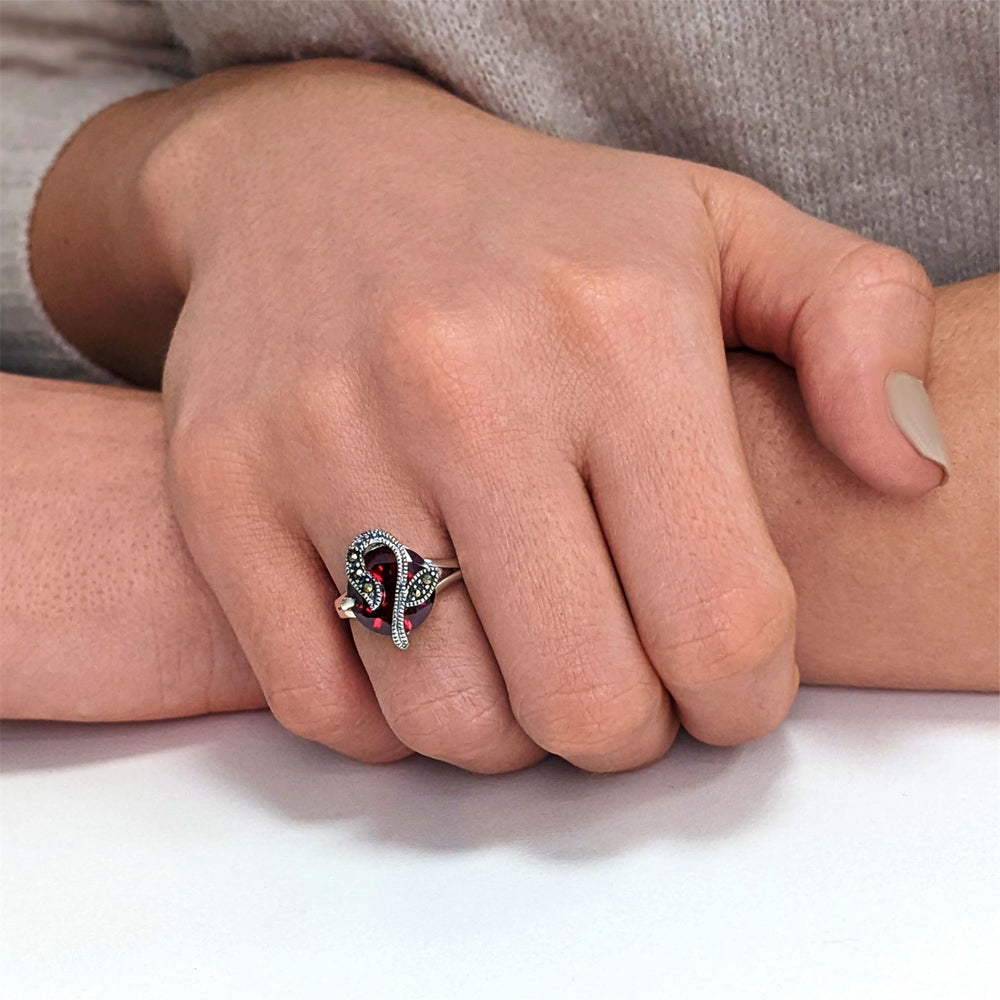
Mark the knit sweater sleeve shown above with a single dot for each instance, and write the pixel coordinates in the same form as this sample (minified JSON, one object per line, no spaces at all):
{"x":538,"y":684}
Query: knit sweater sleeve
{"x":61,"y":64}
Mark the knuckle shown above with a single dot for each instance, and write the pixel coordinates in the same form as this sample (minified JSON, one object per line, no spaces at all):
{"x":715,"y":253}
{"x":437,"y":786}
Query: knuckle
{"x":463,"y":725}
{"x":870,"y":266}
{"x":611,"y":311}
{"x":590,"y":721}
{"x":320,"y":401}
{"x":305,"y":712}
{"x":302,"y":712}
{"x":446,"y":376}
{"x":730,"y":634}
{"x":603,"y":289}
{"x":431,"y":358}
{"x":609,"y":325}
{"x":205,"y":459}
{"x":865,"y":269}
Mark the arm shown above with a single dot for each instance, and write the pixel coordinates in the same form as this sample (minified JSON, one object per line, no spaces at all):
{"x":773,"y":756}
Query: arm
{"x":105,"y":616}
{"x":360,"y":302}
{"x":891,"y":594}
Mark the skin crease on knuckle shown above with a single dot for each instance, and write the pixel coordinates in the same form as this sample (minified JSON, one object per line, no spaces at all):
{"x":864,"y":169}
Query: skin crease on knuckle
{"x":303,"y":711}
{"x":726,"y":636}
{"x":209,"y":463}
{"x":874,"y":265}
{"x":863,"y":268}
{"x":590,"y":711}
{"x":615,"y":313}
{"x":460,"y":726}
{"x":598,"y":723}
{"x":445,"y":371}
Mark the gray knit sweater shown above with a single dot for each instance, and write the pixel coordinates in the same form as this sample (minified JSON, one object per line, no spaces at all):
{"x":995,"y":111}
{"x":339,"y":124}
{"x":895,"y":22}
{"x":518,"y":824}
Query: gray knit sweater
{"x":879,"y":115}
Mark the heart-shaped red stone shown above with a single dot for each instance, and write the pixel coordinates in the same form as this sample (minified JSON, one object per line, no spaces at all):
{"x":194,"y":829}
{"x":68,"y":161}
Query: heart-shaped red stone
{"x":381,"y":563}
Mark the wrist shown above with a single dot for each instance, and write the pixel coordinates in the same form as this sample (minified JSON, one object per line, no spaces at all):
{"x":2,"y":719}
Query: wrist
{"x":96,"y":260}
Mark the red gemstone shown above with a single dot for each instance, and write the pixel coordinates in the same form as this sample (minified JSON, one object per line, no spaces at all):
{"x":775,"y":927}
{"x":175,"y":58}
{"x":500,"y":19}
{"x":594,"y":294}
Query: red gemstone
{"x":381,"y":563}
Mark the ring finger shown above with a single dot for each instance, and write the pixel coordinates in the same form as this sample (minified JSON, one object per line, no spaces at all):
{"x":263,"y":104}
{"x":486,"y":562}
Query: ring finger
{"x":444,"y":695}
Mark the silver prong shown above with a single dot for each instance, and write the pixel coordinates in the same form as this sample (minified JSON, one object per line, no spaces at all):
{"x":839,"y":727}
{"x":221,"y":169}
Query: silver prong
{"x":344,"y":608}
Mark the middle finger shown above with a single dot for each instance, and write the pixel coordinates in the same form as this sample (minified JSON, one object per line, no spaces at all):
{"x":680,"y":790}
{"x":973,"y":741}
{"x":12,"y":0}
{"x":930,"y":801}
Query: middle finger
{"x":544,"y":586}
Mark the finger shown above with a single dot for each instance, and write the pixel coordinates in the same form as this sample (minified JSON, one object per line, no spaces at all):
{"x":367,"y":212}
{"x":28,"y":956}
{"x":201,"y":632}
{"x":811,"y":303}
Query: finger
{"x":854,"y":319}
{"x":711,"y":600}
{"x":279,"y":600}
{"x":444,"y":695}
{"x":542,"y":581}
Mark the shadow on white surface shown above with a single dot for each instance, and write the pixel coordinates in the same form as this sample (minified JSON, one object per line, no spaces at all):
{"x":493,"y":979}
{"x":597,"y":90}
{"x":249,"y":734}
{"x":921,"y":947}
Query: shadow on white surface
{"x":696,"y":793}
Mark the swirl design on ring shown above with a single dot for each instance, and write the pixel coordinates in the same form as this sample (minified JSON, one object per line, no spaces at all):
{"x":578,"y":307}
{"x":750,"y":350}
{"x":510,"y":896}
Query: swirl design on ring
{"x":368,"y":590}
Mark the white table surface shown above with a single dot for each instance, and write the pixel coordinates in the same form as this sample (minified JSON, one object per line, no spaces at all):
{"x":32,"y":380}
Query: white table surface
{"x":854,"y":853}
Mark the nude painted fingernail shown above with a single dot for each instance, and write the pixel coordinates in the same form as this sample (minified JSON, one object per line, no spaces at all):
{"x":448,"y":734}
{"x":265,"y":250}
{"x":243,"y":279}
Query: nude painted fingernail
{"x":911,"y":408}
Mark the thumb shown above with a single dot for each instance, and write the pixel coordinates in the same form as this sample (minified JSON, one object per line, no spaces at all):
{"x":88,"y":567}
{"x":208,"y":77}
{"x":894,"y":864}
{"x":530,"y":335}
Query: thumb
{"x":854,"y":318}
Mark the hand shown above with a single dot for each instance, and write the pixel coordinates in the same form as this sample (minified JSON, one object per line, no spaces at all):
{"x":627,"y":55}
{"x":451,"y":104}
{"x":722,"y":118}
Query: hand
{"x":401,"y":312}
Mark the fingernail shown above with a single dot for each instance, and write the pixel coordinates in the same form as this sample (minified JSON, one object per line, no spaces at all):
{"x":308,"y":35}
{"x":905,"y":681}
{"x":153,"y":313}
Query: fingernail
{"x":911,"y":408}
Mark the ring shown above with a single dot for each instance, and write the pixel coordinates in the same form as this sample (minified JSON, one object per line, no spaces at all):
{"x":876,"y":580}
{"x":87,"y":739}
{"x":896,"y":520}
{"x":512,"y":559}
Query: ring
{"x":391,"y":589}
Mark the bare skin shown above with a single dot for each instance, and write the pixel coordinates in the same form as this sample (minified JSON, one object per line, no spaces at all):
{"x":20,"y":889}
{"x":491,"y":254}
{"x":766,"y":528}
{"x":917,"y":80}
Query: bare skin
{"x":491,"y":342}
{"x":107,"y":618}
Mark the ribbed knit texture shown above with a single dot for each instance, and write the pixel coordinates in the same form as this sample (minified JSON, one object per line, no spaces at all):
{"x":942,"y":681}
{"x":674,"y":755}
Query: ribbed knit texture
{"x":879,"y":115}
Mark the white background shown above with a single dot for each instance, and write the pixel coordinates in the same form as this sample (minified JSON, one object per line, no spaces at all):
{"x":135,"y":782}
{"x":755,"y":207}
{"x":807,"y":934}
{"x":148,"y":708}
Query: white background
{"x":854,"y":853}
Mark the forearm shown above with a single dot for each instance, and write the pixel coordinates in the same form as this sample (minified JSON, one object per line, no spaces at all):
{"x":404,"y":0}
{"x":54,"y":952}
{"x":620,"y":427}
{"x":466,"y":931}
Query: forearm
{"x":106,"y":617}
